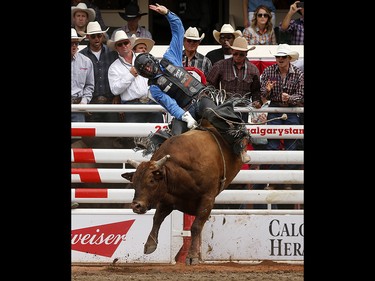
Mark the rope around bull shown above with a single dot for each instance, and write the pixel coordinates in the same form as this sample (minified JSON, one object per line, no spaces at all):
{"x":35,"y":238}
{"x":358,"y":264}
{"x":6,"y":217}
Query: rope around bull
{"x":224,"y":178}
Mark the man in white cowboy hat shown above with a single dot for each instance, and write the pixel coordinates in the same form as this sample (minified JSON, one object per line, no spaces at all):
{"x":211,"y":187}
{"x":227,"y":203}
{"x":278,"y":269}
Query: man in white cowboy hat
{"x":102,"y":57}
{"x":82,"y":77}
{"x":132,"y":16}
{"x":92,"y":5}
{"x":81,"y":16}
{"x":125,"y":82}
{"x":142,"y":45}
{"x":225,"y":38}
{"x":283,"y":84}
{"x":178,"y":91}
{"x":190,"y":55}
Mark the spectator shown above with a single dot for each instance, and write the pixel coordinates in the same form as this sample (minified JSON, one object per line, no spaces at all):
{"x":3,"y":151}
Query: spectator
{"x":299,"y":63}
{"x":132,"y":16}
{"x":82,"y":77}
{"x":91,"y":4}
{"x":260,"y":31}
{"x":81,"y":16}
{"x":101,"y":57}
{"x":225,"y":38}
{"x":237,"y":75}
{"x":172,"y":86}
{"x":295,"y":27}
{"x":190,"y":55}
{"x":125,"y":81}
{"x":283,"y":84}
{"x":249,"y":8}
{"x":142,"y":45}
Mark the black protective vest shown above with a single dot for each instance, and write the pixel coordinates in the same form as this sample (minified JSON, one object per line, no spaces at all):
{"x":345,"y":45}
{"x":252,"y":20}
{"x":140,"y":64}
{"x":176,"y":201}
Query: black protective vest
{"x":177,"y":83}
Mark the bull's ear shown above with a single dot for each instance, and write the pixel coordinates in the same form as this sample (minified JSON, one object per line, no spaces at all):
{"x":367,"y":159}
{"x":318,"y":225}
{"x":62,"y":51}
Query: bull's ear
{"x":128,"y":176}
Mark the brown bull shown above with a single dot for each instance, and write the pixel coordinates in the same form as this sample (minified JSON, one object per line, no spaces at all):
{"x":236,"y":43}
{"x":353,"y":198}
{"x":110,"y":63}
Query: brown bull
{"x":186,"y":173}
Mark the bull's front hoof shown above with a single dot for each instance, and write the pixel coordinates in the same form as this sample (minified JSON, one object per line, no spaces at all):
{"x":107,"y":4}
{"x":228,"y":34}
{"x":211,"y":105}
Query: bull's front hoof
{"x":191,"y":261}
{"x":149,"y":248}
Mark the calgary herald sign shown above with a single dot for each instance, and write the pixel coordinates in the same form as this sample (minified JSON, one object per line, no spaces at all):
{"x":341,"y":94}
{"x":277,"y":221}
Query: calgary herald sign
{"x":253,"y":237}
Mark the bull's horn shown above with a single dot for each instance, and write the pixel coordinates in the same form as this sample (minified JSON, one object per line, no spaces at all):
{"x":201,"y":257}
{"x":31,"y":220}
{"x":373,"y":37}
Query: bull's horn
{"x":134,"y":163}
{"x":162,"y":161}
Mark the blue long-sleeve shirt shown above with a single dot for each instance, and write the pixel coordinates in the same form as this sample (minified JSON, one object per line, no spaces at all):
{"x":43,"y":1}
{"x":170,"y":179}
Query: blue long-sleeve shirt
{"x":174,"y":55}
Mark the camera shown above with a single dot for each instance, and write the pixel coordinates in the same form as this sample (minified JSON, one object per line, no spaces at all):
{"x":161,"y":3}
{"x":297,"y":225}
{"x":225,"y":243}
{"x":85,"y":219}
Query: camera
{"x":300,"y":4}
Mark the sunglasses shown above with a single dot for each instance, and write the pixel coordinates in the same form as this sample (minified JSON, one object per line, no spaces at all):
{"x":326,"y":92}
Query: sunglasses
{"x":93,"y":36}
{"x":239,"y":54}
{"x":192,"y":41}
{"x":228,"y":37}
{"x":263,"y":15}
{"x":123,"y":43}
{"x":74,"y":43}
{"x":284,"y":57}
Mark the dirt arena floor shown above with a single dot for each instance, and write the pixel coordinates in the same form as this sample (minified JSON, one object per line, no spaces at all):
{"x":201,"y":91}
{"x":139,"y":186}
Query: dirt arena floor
{"x":263,"y":271}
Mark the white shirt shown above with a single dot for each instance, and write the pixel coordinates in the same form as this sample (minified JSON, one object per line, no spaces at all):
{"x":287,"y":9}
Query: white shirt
{"x":123,"y":83}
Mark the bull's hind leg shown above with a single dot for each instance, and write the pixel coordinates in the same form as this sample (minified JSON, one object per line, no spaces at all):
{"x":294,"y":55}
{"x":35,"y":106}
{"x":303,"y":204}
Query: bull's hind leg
{"x":194,"y":254}
{"x":152,"y":240}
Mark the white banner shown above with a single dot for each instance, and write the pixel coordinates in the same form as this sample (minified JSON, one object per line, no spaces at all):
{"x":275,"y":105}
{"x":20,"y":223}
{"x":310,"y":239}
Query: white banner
{"x":119,"y":237}
{"x":253,"y":237}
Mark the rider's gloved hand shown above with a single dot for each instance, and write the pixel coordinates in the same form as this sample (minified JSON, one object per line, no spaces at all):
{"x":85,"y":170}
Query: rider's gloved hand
{"x":191,"y":123}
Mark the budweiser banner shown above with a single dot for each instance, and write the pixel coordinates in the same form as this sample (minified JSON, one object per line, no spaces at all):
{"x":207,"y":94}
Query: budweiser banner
{"x":117,"y":237}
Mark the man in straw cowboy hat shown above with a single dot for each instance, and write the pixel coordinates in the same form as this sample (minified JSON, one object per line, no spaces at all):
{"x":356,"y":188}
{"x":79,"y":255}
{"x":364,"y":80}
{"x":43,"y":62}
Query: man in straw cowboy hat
{"x":102,"y":57}
{"x":173,"y":87}
{"x":237,"y":75}
{"x":190,"y":55}
{"x":142,"y":45}
{"x":82,"y":77}
{"x":91,"y":4}
{"x":132,"y":15}
{"x":81,"y":16}
{"x":225,"y":38}
{"x":283,"y":84}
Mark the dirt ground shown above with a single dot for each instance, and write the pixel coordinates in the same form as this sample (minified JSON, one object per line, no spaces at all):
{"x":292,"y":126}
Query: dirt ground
{"x":263,"y":271}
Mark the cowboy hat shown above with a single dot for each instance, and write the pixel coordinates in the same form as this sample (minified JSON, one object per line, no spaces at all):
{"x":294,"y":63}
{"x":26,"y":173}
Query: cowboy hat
{"x":147,"y":41}
{"x":119,"y":36}
{"x":93,"y":27}
{"x":74,"y":35}
{"x":285,"y":50}
{"x":226,"y":28}
{"x":193,"y":34}
{"x":83,"y":7}
{"x":240,"y":44}
{"x":131,"y":12}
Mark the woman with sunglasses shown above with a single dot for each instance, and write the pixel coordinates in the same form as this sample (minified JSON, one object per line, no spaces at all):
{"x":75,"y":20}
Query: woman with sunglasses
{"x":260,"y":31}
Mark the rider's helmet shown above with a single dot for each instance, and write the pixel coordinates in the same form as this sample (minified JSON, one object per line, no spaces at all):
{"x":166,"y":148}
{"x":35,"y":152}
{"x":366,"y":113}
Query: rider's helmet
{"x":146,"y":65}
